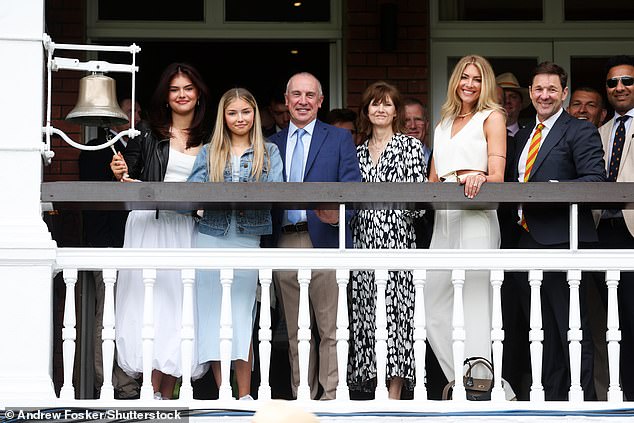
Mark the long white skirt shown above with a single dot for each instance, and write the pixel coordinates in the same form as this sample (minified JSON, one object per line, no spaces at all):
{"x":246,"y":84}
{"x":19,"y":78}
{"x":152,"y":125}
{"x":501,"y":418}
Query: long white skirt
{"x":144,"y":230}
{"x":461,"y":229}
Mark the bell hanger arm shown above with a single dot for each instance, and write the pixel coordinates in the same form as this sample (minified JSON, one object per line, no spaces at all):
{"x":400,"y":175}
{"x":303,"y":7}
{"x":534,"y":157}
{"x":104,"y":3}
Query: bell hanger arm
{"x":62,"y":63}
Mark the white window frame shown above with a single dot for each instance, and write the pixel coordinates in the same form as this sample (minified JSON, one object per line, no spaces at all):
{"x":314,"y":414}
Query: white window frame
{"x":552,"y":38}
{"x":214,"y":27}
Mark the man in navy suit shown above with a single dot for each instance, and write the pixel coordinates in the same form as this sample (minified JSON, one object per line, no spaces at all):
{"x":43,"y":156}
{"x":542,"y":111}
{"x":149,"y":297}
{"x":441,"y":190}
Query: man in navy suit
{"x":312,"y":151}
{"x":557,"y":147}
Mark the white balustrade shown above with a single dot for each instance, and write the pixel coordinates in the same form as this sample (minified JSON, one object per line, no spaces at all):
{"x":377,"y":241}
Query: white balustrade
{"x":226,"y":334}
{"x":108,"y":332}
{"x":147,"y":333}
{"x":497,"y":334}
{"x":381,"y":277}
{"x":420,"y":333}
{"x":69,"y":333}
{"x":613,"y":336}
{"x":265,"y":335}
{"x":574,"y":337}
{"x":536,"y":334}
{"x":187,"y":333}
{"x":458,"y":334}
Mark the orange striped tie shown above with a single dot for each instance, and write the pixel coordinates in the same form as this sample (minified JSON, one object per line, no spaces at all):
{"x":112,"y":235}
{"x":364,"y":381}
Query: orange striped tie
{"x":533,"y":149}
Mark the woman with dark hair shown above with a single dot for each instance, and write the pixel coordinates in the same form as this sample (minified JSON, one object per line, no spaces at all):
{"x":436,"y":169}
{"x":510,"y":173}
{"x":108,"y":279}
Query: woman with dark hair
{"x":166,"y":152}
{"x":238,"y":152}
{"x":387,"y":155}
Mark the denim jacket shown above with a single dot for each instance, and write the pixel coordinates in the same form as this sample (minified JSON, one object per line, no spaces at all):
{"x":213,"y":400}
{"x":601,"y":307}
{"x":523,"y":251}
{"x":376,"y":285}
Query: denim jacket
{"x":248,"y":222}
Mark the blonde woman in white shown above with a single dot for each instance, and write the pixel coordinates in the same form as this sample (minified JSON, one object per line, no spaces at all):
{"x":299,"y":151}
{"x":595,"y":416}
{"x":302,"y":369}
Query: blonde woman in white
{"x":470,"y":150}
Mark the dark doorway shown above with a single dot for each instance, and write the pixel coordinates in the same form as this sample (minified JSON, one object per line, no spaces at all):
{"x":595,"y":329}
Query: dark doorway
{"x":263,"y":67}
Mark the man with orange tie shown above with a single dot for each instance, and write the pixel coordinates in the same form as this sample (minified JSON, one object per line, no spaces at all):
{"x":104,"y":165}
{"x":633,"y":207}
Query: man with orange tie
{"x":557,"y":147}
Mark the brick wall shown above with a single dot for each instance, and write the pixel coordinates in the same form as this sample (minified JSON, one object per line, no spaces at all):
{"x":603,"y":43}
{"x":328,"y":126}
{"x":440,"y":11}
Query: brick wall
{"x":367,"y":61}
{"x":65,"y":23}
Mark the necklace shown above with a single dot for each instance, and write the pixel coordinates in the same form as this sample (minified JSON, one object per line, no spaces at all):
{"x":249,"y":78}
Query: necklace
{"x":465,"y":115}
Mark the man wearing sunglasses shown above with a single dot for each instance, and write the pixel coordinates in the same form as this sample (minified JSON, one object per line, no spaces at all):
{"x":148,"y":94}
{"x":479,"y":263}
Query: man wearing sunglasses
{"x":616,"y":227}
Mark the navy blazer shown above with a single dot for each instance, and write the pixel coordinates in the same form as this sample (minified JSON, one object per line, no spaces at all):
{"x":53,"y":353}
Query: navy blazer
{"x":332,"y":158}
{"x":572,"y":151}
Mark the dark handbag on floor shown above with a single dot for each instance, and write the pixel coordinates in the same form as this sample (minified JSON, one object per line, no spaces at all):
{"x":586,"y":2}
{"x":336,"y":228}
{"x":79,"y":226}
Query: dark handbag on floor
{"x":477,"y":389}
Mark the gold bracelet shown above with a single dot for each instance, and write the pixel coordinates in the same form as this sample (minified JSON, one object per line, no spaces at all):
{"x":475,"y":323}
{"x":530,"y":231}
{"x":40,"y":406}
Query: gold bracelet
{"x":497,"y":155}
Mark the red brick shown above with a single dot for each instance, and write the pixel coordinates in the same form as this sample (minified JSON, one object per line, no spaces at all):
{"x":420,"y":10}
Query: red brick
{"x":406,"y":72}
{"x":356,"y":59}
{"x":370,"y":73}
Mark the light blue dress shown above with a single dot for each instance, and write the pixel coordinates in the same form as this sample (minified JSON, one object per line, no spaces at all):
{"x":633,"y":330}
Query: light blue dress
{"x":209,"y":293}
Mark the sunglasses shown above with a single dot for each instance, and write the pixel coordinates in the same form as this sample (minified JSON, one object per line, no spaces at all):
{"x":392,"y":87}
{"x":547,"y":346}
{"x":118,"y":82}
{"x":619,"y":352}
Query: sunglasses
{"x":625,"y":80}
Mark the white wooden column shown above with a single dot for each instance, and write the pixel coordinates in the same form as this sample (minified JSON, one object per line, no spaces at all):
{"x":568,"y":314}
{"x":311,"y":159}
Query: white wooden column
{"x":147,"y":333}
{"x":303,"y":333}
{"x":420,"y":333}
{"x":342,"y":333}
{"x":108,"y":332}
{"x":613,"y":336}
{"x":458,"y":335}
{"x":265,"y":335}
{"x":27,"y":253}
{"x":574,"y":337}
{"x":69,"y":334}
{"x":497,"y":334}
{"x":226,"y":335}
{"x":188,"y":277}
{"x":536,"y":334}
{"x":380,"y":277}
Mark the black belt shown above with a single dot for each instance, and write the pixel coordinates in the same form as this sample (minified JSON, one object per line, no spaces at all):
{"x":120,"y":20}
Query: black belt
{"x":297,"y":227}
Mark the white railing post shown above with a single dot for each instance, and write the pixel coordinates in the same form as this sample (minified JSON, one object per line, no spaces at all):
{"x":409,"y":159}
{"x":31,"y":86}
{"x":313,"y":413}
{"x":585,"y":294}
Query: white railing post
{"x":458,"y":334}
{"x":226,"y":335}
{"x":420,"y":332}
{"x":342,"y":333}
{"x":147,"y":333}
{"x":188,"y":277}
{"x":69,"y":334}
{"x":303,"y":333}
{"x":380,"y":277}
{"x":574,"y":337}
{"x":536,"y":334}
{"x":497,"y":334}
{"x":265,"y":335}
{"x":574,"y":227}
{"x":108,"y":332}
{"x":613,"y":336}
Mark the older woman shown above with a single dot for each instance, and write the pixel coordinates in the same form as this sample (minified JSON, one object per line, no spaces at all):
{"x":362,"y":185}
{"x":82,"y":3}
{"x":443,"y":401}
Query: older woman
{"x":386,"y":156}
{"x":469,"y":149}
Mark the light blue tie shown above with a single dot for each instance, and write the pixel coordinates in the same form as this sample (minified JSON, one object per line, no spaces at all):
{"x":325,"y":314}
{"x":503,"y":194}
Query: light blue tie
{"x":296,"y":172}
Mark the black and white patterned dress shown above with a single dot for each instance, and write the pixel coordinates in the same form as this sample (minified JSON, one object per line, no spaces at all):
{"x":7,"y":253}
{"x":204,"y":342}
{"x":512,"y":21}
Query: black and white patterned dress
{"x":402,"y":161}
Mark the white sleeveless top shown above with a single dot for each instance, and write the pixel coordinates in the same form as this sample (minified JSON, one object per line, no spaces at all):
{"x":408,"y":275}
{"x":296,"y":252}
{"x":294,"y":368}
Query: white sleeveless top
{"x":179,"y":166}
{"x":466,"y":150}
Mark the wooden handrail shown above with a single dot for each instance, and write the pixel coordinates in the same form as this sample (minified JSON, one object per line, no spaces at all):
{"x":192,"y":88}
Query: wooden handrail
{"x":193,"y":196}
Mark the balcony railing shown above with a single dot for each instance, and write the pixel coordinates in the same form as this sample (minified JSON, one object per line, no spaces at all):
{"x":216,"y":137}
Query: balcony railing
{"x":180,"y":196}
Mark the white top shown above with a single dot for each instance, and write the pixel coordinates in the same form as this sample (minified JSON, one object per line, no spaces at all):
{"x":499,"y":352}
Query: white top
{"x":466,"y":150}
{"x":179,"y":166}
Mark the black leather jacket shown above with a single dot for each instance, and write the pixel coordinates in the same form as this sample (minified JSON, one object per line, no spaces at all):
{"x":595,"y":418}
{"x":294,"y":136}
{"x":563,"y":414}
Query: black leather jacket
{"x":147,"y":157}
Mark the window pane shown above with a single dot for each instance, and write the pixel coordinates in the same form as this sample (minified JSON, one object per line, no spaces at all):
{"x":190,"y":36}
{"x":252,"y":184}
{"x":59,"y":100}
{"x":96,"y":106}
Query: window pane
{"x":277,"y":10}
{"x":490,"y":10}
{"x":587,"y":10}
{"x":151,"y":10}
